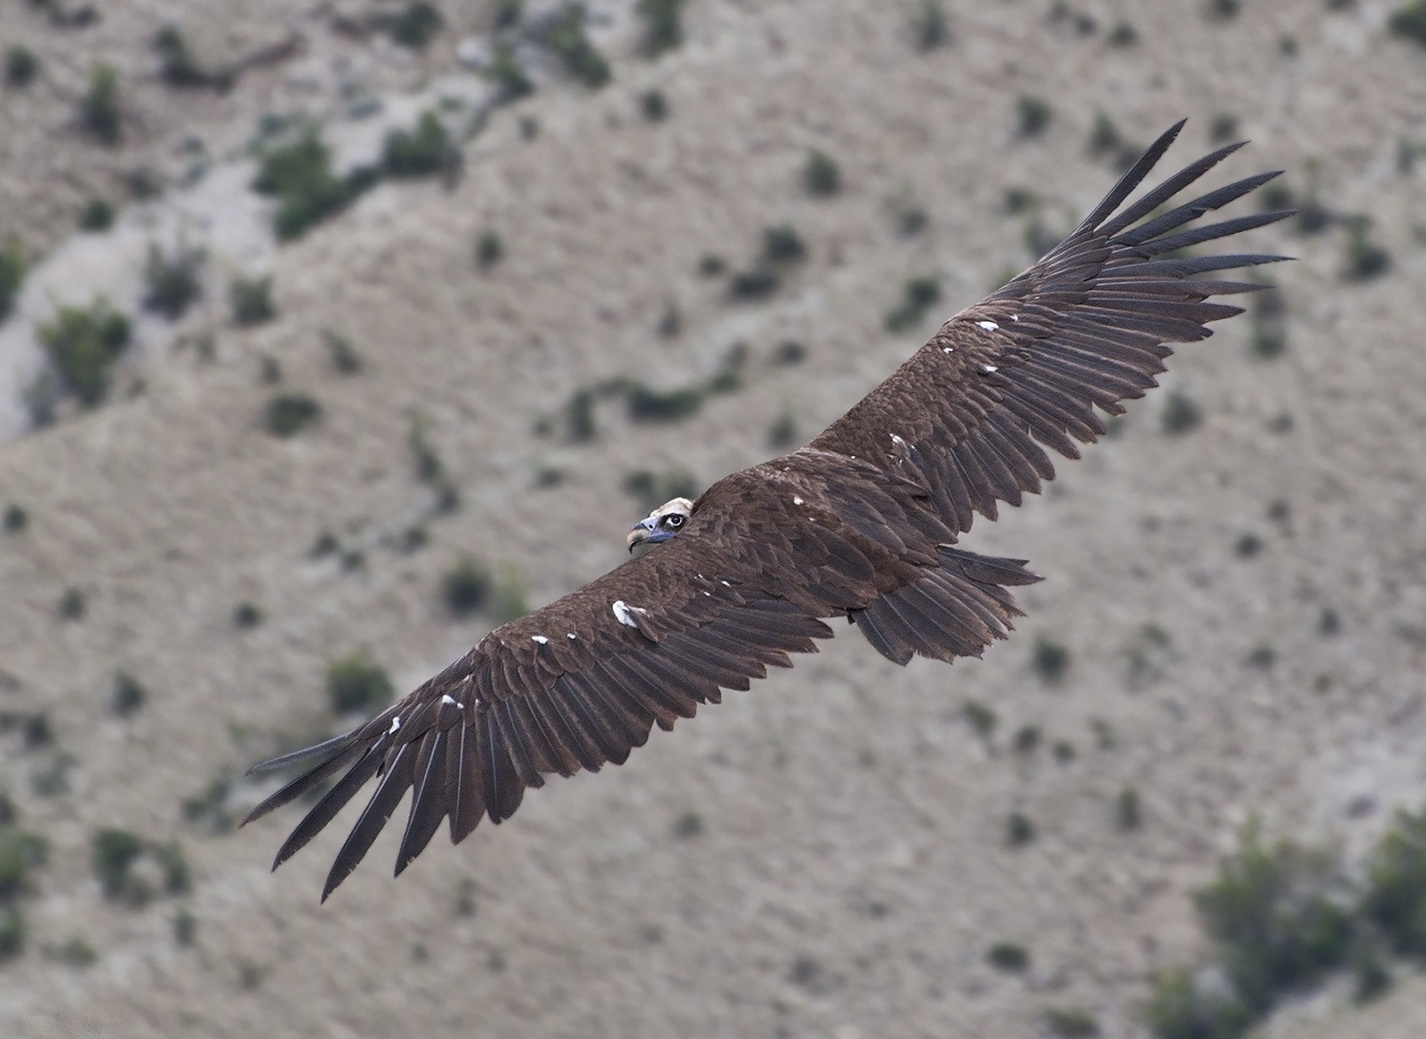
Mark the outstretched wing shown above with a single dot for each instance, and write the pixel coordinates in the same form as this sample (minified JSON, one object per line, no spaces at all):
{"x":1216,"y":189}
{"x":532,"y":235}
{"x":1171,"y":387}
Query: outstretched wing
{"x":582,"y":681}
{"x":1086,"y":326}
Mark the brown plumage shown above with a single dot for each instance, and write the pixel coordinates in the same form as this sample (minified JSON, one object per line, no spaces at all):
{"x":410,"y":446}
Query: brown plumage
{"x":861,"y":523}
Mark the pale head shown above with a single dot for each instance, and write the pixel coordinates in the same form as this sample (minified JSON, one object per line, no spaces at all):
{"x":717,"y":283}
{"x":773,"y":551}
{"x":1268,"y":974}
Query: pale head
{"x":661,"y":524}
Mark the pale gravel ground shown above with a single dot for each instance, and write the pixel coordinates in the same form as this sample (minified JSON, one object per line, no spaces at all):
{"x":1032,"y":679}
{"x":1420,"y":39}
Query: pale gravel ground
{"x":851,"y":821}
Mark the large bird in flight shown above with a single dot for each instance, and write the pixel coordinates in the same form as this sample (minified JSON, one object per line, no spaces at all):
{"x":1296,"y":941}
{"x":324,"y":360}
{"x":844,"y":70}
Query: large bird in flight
{"x":862,"y":523}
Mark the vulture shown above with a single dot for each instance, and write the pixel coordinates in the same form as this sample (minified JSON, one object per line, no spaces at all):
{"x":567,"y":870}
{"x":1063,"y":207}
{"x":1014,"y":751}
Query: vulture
{"x":864,"y":522}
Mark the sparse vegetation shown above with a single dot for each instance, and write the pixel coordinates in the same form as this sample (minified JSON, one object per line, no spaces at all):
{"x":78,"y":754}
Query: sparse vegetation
{"x":509,"y":75}
{"x":508,"y":602}
{"x":99,"y":108}
{"x":689,"y":824}
{"x":420,"y":152}
{"x":1128,"y":811}
{"x":1180,"y":414}
{"x":246,"y":616}
{"x":1027,"y":739}
{"x":299,"y":175}
{"x":172,"y":280}
{"x":1008,"y":957}
{"x":250,"y":300}
{"x":929,"y":26}
{"x":466,"y":587}
{"x":287,"y":414}
{"x":12,"y":932}
{"x":72,"y":605}
{"x":653,"y":106}
{"x":1409,"y":22}
{"x":1364,"y":258}
{"x":20,"y":66}
{"x":1395,"y":898}
{"x":564,"y":36}
{"x":1223,"y":10}
{"x":113,"y":854}
{"x":579,"y":418}
{"x":345,"y":359}
{"x":416,"y":25}
{"x":185,"y":928}
{"x":783,"y":245}
{"x":1224,"y":127}
{"x":177,"y":65}
{"x":1050,"y":659}
{"x":489,"y":249}
{"x":16,"y":520}
{"x":1019,"y":830}
{"x":1269,"y":325}
{"x":711,"y":265}
{"x":356,"y":684}
{"x":21,"y":852}
{"x":1248,"y":545}
{"x":650,"y":405}
{"x":12,"y":275}
{"x":1122,"y":35}
{"x":128,"y":696}
{"x":783,"y":431}
{"x":917,"y":297}
{"x":1071,"y":1023}
{"x":1262,"y":656}
{"x":981,"y":718}
{"x":821,"y":175}
{"x":788,"y":353}
{"x":97,"y":215}
{"x":1032,"y":115}
{"x":662,"y":26}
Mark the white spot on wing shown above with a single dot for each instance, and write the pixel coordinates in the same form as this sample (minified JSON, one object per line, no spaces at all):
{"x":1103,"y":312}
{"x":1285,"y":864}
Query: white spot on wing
{"x":624,"y":613}
{"x":796,"y":500}
{"x":571,"y":635}
{"x":448,"y":698}
{"x":540,"y":639}
{"x":395,"y":724}
{"x":989,"y":326}
{"x":1014,"y":317}
{"x":991,"y":368}
{"x":947,"y":350}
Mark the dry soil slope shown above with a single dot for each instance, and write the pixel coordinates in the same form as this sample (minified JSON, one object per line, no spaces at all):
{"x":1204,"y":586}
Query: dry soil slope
{"x":851,"y":868}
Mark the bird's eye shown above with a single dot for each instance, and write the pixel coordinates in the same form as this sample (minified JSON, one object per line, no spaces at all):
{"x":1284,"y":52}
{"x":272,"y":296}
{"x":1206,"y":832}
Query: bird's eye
{"x":673,"y":521}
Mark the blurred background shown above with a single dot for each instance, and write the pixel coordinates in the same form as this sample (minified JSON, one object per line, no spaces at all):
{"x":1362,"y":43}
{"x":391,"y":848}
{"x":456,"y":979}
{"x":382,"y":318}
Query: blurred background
{"x":334,"y":334}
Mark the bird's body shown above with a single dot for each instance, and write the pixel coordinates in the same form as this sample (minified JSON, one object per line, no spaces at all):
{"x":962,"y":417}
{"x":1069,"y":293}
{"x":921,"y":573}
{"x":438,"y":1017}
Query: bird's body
{"x":863,"y":523}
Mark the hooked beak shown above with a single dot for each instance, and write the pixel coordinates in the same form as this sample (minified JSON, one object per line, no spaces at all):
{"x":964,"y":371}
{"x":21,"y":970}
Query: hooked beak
{"x":646,"y":532}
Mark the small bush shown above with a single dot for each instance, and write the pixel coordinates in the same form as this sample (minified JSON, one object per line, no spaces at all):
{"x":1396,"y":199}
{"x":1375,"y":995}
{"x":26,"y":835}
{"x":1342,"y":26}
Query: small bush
{"x":1262,"y":656}
{"x":172,"y":281}
{"x":711,"y":265}
{"x":1050,"y":659}
{"x":72,"y":605}
{"x":1328,"y":622}
{"x":21,"y":852}
{"x":821,"y":175}
{"x":1071,"y":1023}
{"x":1032,"y":115}
{"x":1364,"y":258}
{"x":508,"y":75}
{"x":1395,"y":898}
{"x":1128,"y":811}
{"x":1122,"y":35}
{"x":12,"y":275}
{"x":466,"y":587}
{"x":209,"y":809}
{"x":16,"y":519}
{"x":36,"y":730}
{"x":1223,"y":10}
{"x":345,"y":359}
{"x":788,"y":353}
{"x":99,"y":108}
{"x":128,"y":696}
{"x":12,"y":932}
{"x":420,"y":152}
{"x":653,"y":106}
{"x":507,"y":602}
{"x":917,"y":297}
{"x":981,"y":718}
{"x":1247,"y":546}
{"x":783,"y":431}
{"x":1224,"y":127}
{"x":173,"y":867}
{"x":20,"y":66}
{"x":97,"y":215}
{"x":250,"y":300}
{"x":663,"y":26}
{"x":114,"y":853}
{"x":1269,"y":325}
{"x":564,"y":35}
{"x":929,"y":26}
{"x":1178,"y":1008}
{"x":287,"y":414}
{"x":185,"y":928}
{"x":416,"y":25}
{"x":1027,"y":739}
{"x":178,"y":67}
{"x":689,"y":824}
{"x":489,"y":248}
{"x":1409,"y":22}
{"x":650,"y":405}
{"x":1019,"y":830}
{"x":354,"y":683}
{"x":758,"y":282}
{"x":783,"y":245}
{"x":579,"y":417}
{"x":1008,"y":957}
{"x":299,"y":175}
{"x":1180,"y":415}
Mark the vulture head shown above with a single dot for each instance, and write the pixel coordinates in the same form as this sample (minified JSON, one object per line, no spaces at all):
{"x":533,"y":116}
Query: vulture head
{"x":661,"y":524}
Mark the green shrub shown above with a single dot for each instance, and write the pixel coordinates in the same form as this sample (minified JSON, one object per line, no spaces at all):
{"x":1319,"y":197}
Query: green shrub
{"x":20,"y":66}
{"x":1008,"y":957}
{"x":1071,"y":1023}
{"x":1027,"y":739}
{"x":20,"y":853}
{"x":1364,"y":258}
{"x":354,"y":683}
{"x":1128,"y":811}
{"x":185,"y":928}
{"x":416,"y":25}
{"x":1269,"y":325}
{"x":1180,"y":415}
{"x":12,"y":275}
{"x":99,"y":108}
{"x":489,"y":248}
{"x":783,"y":245}
{"x":821,"y":175}
{"x":507,"y":74}
{"x":758,"y":282}
{"x":1224,"y":127}
{"x":113,"y":855}
{"x":345,"y":359}
{"x":97,"y":215}
{"x":565,"y":37}
{"x":917,"y":297}
{"x":653,"y":106}
{"x":420,"y":152}
{"x":1395,"y":897}
{"x":1032,"y":115}
{"x":178,"y":67}
{"x":83,"y":343}
{"x":650,"y":405}
{"x":172,"y":281}
{"x":930,"y":28}
{"x":287,"y":414}
{"x":1179,"y":1008}
{"x":16,"y":519}
{"x":1019,"y":829}
{"x":1122,"y":35}
{"x":1050,"y":659}
{"x":128,"y":696}
{"x":711,"y":265}
{"x":12,"y":932}
{"x":75,"y":952}
{"x":982,"y":718}
{"x":1224,"y":10}
{"x":466,"y":587}
{"x":209,"y":809}
{"x":788,"y":353}
{"x":783,"y":431}
{"x":299,"y":175}
{"x":1409,"y":21}
{"x":250,"y":300}
{"x":579,"y":417}
{"x":662,"y":26}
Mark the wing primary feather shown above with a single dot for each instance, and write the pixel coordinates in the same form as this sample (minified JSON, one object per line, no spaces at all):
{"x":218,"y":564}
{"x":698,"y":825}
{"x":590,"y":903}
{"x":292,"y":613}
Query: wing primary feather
{"x":429,"y":802}
{"x":1160,"y":194}
{"x":324,"y":810}
{"x":373,"y":818}
{"x":465,"y":777}
{"x":1208,"y":232}
{"x":304,"y":782}
{"x":1191,"y":210}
